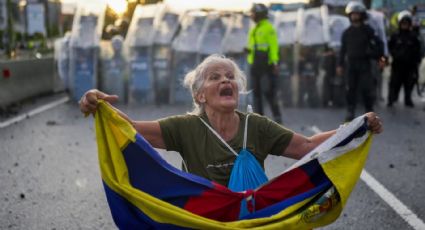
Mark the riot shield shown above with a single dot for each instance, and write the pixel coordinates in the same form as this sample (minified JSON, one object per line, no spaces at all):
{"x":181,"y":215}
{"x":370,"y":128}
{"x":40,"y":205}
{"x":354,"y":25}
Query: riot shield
{"x":138,"y":47}
{"x":166,"y":25}
{"x":313,"y":37}
{"x":62,"y":56}
{"x":285,"y":25}
{"x":233,"y":44}
{"x":376,"y":20}
{"x":333,"y":85}
{"x":113,"y":77}
{"x":212,"y":34}
{"x":337,"y":25}
{"x":85,"y":39}
{"x":185,"y":54}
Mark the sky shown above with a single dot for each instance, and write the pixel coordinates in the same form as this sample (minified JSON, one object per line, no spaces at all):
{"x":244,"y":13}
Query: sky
{"x":118,"y":5}
{"x":224,"y":4}
{"x":240,"y":5}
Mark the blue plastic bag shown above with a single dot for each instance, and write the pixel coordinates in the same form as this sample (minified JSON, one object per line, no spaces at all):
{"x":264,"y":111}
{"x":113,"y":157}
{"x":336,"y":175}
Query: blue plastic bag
{"x":247,"y":174}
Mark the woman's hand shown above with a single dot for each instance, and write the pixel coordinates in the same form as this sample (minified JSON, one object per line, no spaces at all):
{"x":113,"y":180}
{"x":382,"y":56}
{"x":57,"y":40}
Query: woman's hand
{"x":374,"y":123}
{"x":88,"y":102}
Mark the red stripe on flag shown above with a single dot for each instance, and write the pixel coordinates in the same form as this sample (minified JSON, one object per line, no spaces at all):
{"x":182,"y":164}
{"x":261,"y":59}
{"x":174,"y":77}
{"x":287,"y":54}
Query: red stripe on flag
{"x":287,"y":185}
{"x":218,"y":203}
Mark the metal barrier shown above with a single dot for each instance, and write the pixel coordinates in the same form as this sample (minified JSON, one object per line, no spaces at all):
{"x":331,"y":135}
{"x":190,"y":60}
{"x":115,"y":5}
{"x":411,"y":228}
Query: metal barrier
{"x":23,"y":79}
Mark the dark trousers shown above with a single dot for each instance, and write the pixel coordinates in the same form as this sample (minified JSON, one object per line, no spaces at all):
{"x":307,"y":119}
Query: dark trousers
{"x":401,"y":77}
{"x":308,"y":93}
{"x":264,"y":82}
{"x":360,"y":83}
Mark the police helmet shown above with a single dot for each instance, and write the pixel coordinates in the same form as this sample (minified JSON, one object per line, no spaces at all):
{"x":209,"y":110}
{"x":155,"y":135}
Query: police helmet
{"x":117,"y":42}
{"x":404,"y":16}
{"x":259,"y":10}
{"x":355,"y":7}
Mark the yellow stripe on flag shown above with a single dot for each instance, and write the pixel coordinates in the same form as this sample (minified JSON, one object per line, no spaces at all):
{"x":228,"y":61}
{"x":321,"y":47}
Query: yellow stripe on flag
{"x":114,"y":133}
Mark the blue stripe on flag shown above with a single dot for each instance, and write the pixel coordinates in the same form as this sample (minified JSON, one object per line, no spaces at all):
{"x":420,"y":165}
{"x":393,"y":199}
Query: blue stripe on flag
{"x":279,"y":207}
{"x":128,"y":216}
{"x":315,"y":172}
{"x":358,"y":133}
{"x":150,"y":173}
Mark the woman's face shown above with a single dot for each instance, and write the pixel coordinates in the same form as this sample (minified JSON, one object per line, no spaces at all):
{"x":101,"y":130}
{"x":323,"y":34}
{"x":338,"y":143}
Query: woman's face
{"x":220,"y":90}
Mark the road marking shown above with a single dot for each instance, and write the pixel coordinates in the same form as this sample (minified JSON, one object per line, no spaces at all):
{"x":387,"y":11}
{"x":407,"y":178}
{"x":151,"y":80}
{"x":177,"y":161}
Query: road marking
{"x":402,"y":210}
{"x":392,"y":201}
{"x":34,"y":112}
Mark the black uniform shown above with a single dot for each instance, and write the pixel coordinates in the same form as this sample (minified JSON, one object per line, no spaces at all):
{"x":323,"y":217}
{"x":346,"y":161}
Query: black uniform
{"x":264,"y":80}
{"x":405,"y":49}
{"x":355,"y":56}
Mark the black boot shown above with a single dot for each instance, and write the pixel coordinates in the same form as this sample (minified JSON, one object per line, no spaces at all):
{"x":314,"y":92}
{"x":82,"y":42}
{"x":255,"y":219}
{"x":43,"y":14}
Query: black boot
{"x":409,"y":104}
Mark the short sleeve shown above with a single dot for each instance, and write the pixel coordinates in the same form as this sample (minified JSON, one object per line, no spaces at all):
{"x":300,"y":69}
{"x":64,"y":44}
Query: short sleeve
{"x":275,"y":136}
{"x":171,"y":131}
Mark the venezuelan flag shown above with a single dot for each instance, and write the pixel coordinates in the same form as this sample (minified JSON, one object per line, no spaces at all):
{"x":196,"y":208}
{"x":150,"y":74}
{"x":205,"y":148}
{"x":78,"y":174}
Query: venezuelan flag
{"x":145,"y":192}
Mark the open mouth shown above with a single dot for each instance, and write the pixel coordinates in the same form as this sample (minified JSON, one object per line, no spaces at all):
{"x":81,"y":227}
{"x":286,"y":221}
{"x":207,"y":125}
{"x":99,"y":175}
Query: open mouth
{"x":226,"y":92}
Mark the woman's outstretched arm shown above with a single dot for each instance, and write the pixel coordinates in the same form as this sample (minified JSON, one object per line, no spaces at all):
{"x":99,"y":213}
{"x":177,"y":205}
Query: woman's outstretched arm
{"x":150,"y":130}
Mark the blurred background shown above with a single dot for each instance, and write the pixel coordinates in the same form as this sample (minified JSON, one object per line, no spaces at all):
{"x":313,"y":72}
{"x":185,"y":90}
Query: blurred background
{"x":141,"y":50}
{"x":51,"y":52}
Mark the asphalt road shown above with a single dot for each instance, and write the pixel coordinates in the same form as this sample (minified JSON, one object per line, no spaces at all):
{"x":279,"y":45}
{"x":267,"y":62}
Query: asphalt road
{"x":49,"y":175}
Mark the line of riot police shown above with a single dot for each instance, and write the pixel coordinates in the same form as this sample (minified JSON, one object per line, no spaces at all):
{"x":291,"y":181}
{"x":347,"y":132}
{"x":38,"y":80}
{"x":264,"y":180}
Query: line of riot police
{"x":162,"y":45}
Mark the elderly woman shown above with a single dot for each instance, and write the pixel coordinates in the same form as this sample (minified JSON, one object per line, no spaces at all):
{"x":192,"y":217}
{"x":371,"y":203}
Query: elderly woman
{"x":209,"y":137}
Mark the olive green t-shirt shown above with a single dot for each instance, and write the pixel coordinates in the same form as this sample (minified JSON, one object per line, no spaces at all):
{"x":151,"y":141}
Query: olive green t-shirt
{"x":205,"y":155}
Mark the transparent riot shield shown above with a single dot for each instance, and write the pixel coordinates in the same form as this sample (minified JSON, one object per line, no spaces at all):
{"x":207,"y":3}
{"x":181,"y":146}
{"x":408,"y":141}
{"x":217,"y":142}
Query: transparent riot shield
{"x":376,"y":20}
{"x":62,"y":55}
{"x":185,"y":54}
{"x":285,"y":25}
{"x":419,"y":26}
{"x":313,"y":38}
{"x":333,"y":91}
{"x":337,"y":25}
{"x":212,"y":34}
{"x":233,"y":44}
{"x":138,"y":48}
{"x":166,"y":26}
{"x":113,"y":76}
{"x":235,"y":39}
{"x":312,"y":27}
{"x":85,"y":39}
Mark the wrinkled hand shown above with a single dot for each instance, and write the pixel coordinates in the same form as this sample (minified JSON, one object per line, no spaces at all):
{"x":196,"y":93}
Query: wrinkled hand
{"x":374,"y":123}
{"x":88,"y":102}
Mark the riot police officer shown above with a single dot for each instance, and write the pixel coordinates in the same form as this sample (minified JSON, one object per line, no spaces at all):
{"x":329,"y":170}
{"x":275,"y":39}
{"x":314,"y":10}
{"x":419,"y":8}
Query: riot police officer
{"x":358,"y":46}
{"x":404,"y":48}
{"x":263,"y":57}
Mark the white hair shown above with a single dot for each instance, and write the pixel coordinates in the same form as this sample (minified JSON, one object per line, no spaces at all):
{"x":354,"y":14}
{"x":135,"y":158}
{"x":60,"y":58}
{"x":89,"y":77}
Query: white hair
{"x":195,"y":79}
